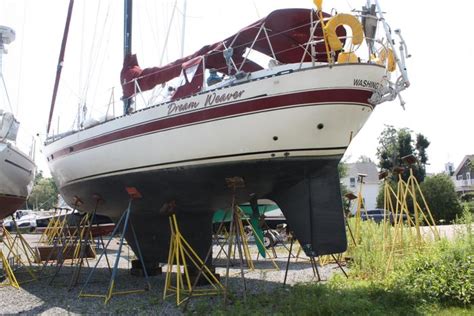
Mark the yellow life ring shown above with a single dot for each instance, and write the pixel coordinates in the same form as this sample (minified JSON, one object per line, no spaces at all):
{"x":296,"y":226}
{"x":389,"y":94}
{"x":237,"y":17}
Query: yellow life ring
{"x":386,"y":56}
{"x":345,"y":58}
{"x":343,"y":19}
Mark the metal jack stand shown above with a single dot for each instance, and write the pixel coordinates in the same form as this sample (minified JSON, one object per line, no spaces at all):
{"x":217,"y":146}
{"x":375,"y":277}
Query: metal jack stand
{"x":16,"y":253}
{"x":61,"y":239}
{"x":125,"y":220}
{"x":181,"y":251}
{"x":360,"y":208}
{"x":7,"y":272}
{"x":216,"y":239}
{"x":312,"y":260}
{"x":234,"y":233}
{"x":315,"y":267}
{"x":208,"y":255}
{"x":289,"y":257}
{"x":84,"y":245}
{"x":350,"y":197}
{"x":339,"y":265}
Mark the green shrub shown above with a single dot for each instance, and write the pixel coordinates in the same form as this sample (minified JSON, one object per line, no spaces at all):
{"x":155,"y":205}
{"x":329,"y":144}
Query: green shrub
{"x":470,"y":206}
{"x":444,"y":273}
{"x":441,"y":198}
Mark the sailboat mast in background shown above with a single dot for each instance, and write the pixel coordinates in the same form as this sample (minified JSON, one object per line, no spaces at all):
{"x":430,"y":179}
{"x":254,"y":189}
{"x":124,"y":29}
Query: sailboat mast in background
{"x":60,"y":63}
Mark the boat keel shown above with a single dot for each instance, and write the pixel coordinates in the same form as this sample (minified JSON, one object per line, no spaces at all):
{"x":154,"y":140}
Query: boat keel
{"x":313,"y":210}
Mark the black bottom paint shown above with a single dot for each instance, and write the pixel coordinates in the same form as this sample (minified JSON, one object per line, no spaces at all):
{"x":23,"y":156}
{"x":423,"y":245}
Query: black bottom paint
{"x":306,"y":189}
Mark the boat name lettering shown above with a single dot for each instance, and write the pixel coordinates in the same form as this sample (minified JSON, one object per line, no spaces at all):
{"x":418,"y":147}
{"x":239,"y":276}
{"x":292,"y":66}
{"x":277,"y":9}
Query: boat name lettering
{"x":366,"y":83}
{"x":181,"y":107}
{"x":215,"y":98}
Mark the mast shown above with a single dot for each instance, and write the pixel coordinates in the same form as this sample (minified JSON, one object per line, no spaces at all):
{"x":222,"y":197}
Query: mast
{"x":184,"y":28}
{"x":127,"y":42}
{"x":60,"y":63}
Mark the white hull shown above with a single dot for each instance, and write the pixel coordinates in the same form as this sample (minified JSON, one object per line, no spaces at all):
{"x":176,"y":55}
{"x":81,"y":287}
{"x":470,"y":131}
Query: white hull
{"x":17,"y":171}
{"x":311,"y":97}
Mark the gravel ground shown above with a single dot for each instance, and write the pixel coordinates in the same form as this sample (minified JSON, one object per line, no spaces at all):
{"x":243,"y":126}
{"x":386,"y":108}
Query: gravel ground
{"x":41,"y":297}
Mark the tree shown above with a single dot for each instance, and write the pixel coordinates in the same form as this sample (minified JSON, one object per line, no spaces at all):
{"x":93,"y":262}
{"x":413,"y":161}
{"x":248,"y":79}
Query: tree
{"x":441,"y":197}
{"x":395,"y":144}
{"x":364,"y":159}
{"x":44,"y":194}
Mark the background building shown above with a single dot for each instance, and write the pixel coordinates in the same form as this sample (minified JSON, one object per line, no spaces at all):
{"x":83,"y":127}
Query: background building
{"x":370,"y":188}
{"x":463,"y":176}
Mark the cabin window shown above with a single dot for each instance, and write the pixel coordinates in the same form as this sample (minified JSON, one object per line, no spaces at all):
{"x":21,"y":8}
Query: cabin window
{"x":352,"y":182}
{"x":460,"y":177}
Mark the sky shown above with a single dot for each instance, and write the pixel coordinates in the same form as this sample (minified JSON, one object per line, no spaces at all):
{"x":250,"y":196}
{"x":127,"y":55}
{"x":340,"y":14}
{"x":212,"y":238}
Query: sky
{"x":438,"y":102}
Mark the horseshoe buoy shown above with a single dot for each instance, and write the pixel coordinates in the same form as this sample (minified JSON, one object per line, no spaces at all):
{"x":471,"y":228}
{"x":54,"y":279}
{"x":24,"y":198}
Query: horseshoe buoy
{"x":386,"y":56}
{"x":343,"y":19}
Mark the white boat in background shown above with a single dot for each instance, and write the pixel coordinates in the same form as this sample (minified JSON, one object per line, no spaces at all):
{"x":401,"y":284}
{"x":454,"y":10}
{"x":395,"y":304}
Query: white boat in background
{"x":23,"y":219}
{"x":17,"y":170}
{"x":282,"y":129}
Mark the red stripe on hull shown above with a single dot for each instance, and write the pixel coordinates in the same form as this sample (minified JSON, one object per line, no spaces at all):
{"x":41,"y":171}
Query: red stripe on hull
{"x":9,"y":204}
{"x":241,"y":108}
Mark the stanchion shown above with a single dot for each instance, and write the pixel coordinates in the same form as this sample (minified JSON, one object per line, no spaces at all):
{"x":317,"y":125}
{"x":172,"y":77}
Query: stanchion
{"x":125,"y":220}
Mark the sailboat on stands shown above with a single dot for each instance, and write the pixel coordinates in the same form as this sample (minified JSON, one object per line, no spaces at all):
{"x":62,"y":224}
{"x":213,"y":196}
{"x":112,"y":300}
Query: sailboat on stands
{"x":280,"y":129}
{"x":17,"y":170}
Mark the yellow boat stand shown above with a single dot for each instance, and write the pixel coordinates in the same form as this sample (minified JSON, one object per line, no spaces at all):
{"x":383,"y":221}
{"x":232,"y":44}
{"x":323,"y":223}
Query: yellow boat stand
{"x":406,"y":191}
{"x":360,"y":208}
{"x":8,"y":272}
{"x":84,"y":244}
{"x":239,"y":221}
{"x":62,"y":241}
{"x":257,"y":240}
{"x":125,"y":220}
{"x":20,"y":252}
{"x":181,"y":254}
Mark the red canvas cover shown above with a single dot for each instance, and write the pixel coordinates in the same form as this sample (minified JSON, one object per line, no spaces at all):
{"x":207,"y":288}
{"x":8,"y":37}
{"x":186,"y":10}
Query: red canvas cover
{"x":288,"y":30}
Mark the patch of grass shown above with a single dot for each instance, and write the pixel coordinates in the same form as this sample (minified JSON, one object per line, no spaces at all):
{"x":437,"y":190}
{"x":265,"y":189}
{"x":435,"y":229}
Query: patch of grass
{"x":444,"y":272}
{"x":445,"y":275}
{"x":337,"y":298}
{"x":427,"y":278}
